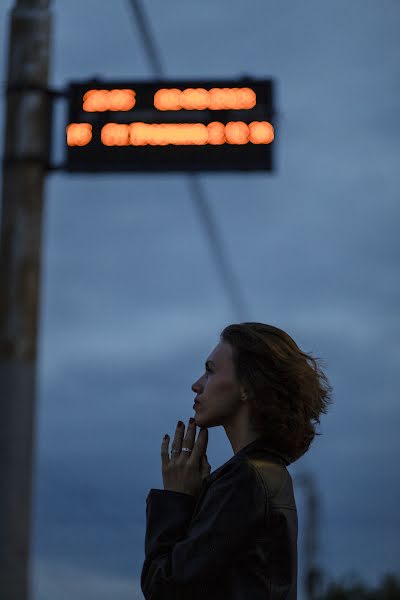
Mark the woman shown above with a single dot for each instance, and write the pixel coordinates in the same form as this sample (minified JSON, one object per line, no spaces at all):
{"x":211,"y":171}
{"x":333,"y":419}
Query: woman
{"x":232,"y":534}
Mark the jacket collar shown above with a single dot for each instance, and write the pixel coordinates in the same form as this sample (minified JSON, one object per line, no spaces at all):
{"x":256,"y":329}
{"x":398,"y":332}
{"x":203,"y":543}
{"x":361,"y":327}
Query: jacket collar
{"x":258,"y":444}
{"x":262,"y":444}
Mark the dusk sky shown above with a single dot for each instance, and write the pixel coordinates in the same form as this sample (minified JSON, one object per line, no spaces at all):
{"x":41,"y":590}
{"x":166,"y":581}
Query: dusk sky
{"x":132,"y":301}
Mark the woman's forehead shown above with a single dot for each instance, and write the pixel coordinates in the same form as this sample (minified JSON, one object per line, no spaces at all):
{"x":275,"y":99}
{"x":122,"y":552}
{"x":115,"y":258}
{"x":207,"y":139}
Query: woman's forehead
{"x":221,"y":354}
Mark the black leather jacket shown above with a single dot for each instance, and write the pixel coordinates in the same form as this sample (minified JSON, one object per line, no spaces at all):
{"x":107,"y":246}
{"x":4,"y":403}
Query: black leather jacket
{"x":236,"y":541}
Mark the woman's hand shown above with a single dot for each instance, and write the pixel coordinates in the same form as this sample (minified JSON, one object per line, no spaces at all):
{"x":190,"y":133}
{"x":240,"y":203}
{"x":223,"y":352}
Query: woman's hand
{"x":185,"y":471}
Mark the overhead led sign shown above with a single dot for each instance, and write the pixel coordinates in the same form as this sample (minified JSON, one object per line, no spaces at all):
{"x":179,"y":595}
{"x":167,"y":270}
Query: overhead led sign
{"x":170,"y":126}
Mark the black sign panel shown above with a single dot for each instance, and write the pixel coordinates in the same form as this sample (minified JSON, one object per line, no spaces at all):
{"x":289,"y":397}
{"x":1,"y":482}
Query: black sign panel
{"x":170,"y":126}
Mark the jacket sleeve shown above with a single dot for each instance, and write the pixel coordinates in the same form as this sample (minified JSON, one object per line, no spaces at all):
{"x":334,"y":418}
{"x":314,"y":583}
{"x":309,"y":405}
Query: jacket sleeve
{"x":181,"y":550}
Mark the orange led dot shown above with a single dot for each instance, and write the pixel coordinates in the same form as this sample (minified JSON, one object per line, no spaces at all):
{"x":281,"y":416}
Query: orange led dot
{"x":186,"y":98}
{"x":148,"y":133}
{"x":163,"y":139}
{"x":167,"y":99}
{"x":79,"y":134}
{"x":216,"y":133}
{"x":96,"y":101}
{"x":245,"y":98}
{"x":121,"y":99}
{"x":152,"y":136}
{"x":161,"y":100}
{"x":88,"y":95}
{"x":199,"y":134}
{"x":216,"y":99}
{"x":184,"y":134}
{"x":115,"y":134}
{"x":194,"y":99}
{"x":261,"y":132}
{"x":230,"y":98}
{"x":172,"y":132}
{"x":237,"y":132}
{"x":137,"y":134}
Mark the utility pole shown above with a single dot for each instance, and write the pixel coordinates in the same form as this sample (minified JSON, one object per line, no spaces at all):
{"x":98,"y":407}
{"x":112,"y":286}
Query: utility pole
{"x":313,"y":573}
{"x":25,"y":159}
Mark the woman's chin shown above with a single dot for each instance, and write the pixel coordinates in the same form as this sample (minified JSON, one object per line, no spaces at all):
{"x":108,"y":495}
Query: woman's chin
{"x":199,"y":421}
{"x":202,"y":421}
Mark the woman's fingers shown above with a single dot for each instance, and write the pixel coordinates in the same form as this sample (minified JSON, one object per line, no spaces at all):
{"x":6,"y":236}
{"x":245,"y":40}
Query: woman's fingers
{"x":190,"y":436}
{"x":198,"y":447}
{"x":164,"y":451}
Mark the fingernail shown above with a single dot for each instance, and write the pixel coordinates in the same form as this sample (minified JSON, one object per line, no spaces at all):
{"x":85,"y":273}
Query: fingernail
{"x":180,"y":423}
{"x":191,"y":420}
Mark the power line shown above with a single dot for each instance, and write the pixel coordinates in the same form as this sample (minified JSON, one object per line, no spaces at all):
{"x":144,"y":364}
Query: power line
{"x":195,"y":185}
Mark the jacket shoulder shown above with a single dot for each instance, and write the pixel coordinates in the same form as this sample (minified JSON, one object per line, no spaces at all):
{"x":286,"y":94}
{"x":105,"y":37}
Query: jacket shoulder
{"x":236,"y":477}
{"x":276,"y":480}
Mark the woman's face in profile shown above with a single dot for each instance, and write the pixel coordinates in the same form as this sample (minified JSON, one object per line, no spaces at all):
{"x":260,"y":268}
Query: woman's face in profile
{"x":217,"y":390}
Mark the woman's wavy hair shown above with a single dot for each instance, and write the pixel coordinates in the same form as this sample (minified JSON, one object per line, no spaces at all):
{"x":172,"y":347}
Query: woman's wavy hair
{"x":286,"y":389}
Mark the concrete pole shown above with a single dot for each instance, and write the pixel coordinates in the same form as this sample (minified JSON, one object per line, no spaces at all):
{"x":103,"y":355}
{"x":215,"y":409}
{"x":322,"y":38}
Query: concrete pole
{"x":313,"y":574}
{"x":25,"y":158}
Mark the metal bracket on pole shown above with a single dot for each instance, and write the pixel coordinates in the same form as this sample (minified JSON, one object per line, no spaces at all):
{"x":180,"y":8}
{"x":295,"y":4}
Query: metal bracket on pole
{"x":37,"y":88}
{"x":14,"y":160}
{"x":28,"y":159}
